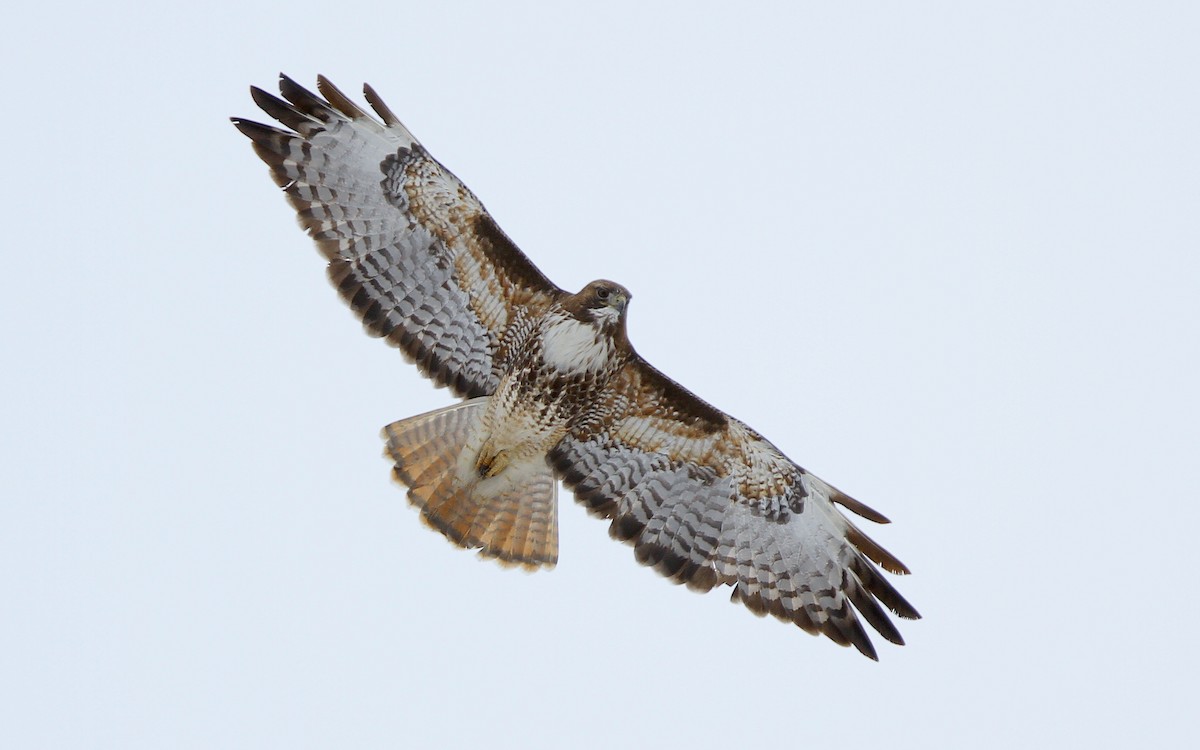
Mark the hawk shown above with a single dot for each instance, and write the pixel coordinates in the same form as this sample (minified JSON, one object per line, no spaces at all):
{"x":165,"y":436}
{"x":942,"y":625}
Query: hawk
{"x":552,"y":390}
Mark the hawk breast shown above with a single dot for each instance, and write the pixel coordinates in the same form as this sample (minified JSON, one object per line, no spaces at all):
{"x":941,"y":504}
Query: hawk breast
{"x":575,"y":347}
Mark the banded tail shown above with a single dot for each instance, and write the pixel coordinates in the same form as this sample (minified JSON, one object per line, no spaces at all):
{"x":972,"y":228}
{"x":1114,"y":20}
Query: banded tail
{"x":511,"y":516}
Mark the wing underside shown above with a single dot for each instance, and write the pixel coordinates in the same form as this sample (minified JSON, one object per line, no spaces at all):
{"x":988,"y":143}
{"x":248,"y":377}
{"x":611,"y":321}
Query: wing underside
{"x":410,"y":248}
{"x":707,"y":501}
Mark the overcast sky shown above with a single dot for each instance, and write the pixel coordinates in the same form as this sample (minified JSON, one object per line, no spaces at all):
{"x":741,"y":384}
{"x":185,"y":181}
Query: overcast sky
{"x":944,"y":255}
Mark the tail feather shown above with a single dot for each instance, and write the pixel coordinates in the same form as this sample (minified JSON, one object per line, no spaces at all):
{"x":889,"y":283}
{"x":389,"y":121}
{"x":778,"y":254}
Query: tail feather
{"x":524,"y":529}
{"x":512,"y":517}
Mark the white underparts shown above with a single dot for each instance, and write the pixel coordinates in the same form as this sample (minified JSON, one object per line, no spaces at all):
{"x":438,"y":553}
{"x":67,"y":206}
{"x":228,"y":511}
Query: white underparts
{"x":573,"y":346}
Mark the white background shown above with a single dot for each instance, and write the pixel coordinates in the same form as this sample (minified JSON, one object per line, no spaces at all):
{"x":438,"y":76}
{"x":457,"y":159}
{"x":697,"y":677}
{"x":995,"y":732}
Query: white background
{"x":943,"y":254}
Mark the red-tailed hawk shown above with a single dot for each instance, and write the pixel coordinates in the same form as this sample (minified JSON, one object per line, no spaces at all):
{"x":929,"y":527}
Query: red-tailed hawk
{"x":553,"y":390}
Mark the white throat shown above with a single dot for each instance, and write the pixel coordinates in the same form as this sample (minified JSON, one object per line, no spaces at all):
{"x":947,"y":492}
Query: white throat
{"x":606,"y":316}
{"x":572,"y":346}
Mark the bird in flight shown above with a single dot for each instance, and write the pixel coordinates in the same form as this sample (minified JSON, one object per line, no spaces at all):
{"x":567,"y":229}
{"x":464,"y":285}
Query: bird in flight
{"x":552,"y":389}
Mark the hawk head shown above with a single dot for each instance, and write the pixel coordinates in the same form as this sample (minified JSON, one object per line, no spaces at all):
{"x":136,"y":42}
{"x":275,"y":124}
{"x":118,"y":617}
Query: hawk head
{"x":601,"y":303}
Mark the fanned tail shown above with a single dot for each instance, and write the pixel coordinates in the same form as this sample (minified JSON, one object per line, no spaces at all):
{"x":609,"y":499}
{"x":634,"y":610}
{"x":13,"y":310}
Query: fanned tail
{"x":512,"y":517}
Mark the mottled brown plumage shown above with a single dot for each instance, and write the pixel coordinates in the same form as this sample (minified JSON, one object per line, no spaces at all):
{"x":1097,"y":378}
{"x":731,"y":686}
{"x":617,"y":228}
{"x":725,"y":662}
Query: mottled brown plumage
{"x":554,"y":390}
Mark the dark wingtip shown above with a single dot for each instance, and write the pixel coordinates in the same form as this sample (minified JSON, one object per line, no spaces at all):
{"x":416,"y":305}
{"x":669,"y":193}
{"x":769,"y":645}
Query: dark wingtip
{"x":251,"y":129}
{"x":256,"y":131}
{"x":302,"y":99}
{"x":262,"y":98}
{"x":381,"y":109}
{"x":867,"y":512}
{"x":849,"y":631}
{"x":871,"y":549}
{"x":340,"y":101}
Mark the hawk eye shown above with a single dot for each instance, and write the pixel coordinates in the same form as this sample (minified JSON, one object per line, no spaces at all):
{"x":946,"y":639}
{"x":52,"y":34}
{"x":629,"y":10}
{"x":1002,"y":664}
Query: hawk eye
{"x":602,"y":292}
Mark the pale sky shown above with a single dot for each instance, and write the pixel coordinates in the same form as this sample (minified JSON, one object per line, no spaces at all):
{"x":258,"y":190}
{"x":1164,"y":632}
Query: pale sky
{"x":944,"y":255}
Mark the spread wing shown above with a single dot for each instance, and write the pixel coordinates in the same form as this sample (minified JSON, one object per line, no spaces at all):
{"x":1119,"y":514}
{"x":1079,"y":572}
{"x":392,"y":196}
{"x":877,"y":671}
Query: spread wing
{"x":706,"y":501}
{"x":410,"y":248}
